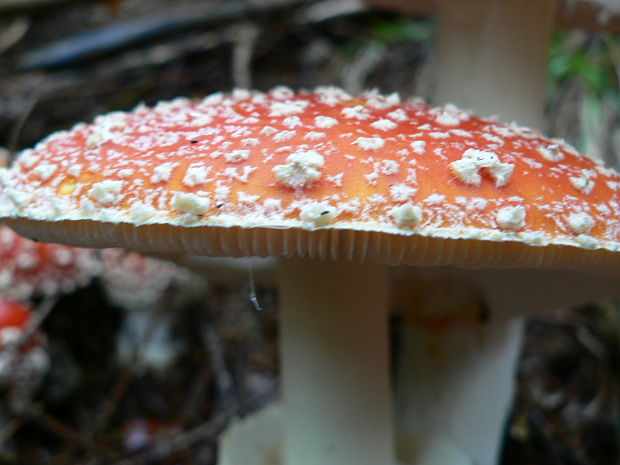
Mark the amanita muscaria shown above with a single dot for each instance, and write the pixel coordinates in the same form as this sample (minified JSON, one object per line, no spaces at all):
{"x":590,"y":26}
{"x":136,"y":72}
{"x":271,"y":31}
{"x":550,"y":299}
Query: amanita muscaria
{"x":339,"y":187}
{"x":32,"y":269}
{"x":151,"y":292}
{"x":491,"y":57}
{"x":29,"y":270}
{"x":24,"y":360}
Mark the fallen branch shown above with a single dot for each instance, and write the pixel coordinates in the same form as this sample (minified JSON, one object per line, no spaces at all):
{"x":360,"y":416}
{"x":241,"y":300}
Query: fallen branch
{"x":119,"y":36}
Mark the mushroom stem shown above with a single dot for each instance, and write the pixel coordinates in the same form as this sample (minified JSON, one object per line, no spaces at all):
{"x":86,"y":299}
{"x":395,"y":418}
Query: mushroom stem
{"x":335,"y":363}
{"x":457,"y":387}
{"x":493,"y":57}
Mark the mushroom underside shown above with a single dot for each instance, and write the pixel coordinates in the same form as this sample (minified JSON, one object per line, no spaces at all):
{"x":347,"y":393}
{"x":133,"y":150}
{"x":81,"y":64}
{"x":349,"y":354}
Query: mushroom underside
{"x":333,"y":243}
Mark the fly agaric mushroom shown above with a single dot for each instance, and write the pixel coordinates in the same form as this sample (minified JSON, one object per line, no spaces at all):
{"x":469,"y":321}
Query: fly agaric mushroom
{"x":29,"y":269}
{"x":23,"y":363}
{"x":339,"y":187}
{"x":587,"y":14}
{"x":502,"y":48}
{"x":139,"y":285}
{"x":492,"y":54}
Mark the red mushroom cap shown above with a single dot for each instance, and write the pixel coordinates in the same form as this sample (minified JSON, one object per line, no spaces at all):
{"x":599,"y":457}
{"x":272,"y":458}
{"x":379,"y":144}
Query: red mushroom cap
{"x":14,"y":314}
{"x":15,"y":317}
{"x":23,"y":362}
{"x":319,"y":174}
{"x":30,"y":268}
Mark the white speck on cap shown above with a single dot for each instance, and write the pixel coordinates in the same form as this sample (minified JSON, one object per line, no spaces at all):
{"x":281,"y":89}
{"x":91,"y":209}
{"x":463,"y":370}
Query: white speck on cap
{"x":302,"y":168}
{"x":283,"y":136}
{"x":163,"y":172}
{"x":213,"y":99}
{"x":372,"y":178}
{"x":435,"y":199}
{"x":28,"y":158}
{"x":587,"y":242}
{"x":357,"y":112}
{"x":244,"y":197}
{"x":439,"y":135}
{"x":398,"y":115}
{"x":19,"y":198}
{"x":126,"y":173}
{"x":200,"y":120}
{"x":75,"y":170}
{"x":250,"y":141}
{"x":383,"y":124}
{"x":467,"y":169}
{"x":105,"y":128}
{"x":317,"y":213}
{"x":582,"y":183}
{"x":45,"y":170}
{"x":388,"y":167}
{"x":222,"y":192}
{"x":402,"y":192}
{"x":314,"y":135}
{"x":449,"y":115}
{"x":87,"y":207}
{"x":580,"y":223}
{"x":551,"y":152}
{"x":141,"y":212}
{"x":288,"y":108}
{"x":419,"y":146}
{"x":370,"y":143}
{"x":196,"y":173}
{"x":282,"y":93}
{"x":375,"y":100}
{"x":512,"y":218}
{"x":464,"y":133}
{"x":107,"y":192}
{"x":237,"y":156}
{"x":244,"y":176}
{"x":190,"y":203}
{"x":292,"y":122}
{"x":325,"y":122}
{"x":336,"y":179}
{"x":406,"y":214}
{"x":331,"y":95}
{"x":448,"y":119}
{"x":241,"y":94}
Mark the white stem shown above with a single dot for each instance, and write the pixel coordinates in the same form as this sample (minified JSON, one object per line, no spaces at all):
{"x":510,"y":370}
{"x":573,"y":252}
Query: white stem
{"x":493,"y":57}
{"x":458,"y":386}
{"x":335,"y":373}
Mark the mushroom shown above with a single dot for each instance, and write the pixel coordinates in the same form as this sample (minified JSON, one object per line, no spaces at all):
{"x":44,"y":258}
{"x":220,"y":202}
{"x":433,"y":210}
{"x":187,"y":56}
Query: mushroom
{"x":29,"y":269}
{"x":150,"y":291}
{"x":24,"y":360}
{"x":588,"y":14}
{"x":339,"y":187}
{"x":492,"y":58}
{"x":492,"y":55}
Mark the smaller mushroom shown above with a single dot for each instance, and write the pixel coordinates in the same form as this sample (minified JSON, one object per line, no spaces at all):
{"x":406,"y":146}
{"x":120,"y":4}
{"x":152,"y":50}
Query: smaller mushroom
{"x":24,"y":360}
{"x":142,"y":285}
{"x":29,"y":268}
